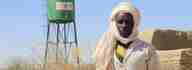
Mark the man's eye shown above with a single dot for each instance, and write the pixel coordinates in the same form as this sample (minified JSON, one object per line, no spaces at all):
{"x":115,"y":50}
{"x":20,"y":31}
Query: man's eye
{"x":120,"y":21}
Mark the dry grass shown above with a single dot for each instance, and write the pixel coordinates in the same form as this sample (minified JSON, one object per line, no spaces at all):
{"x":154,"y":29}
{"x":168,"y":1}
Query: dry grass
{"x":53,"y":67}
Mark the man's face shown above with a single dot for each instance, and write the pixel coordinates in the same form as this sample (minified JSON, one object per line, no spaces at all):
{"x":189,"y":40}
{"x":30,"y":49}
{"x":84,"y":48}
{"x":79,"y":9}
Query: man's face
{"x":124,"y":23}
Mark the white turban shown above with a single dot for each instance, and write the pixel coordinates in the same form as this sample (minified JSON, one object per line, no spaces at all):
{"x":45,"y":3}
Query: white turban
{"x":126,"y":7}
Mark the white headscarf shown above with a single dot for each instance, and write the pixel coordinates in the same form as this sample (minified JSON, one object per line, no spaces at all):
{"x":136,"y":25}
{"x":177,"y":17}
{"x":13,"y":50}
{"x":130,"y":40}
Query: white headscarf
{"x":126,"y":7}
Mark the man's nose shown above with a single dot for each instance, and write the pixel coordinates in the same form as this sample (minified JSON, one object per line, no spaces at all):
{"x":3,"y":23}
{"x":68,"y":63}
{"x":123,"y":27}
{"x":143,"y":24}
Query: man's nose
{"x":124,"y":24}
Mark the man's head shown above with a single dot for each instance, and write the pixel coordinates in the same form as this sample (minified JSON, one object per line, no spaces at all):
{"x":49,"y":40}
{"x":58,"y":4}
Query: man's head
{"x":124,"y":22}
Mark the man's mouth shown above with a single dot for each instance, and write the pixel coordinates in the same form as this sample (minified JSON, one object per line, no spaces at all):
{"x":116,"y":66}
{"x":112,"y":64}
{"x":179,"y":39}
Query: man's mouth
{"x":125,"y":34}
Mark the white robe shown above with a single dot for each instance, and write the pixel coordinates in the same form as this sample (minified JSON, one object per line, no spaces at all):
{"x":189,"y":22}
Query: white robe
{"x":139,"y":56}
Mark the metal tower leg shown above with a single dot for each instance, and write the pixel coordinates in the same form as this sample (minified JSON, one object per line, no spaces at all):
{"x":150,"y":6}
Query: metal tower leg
{"x":46,"y":49}
{"x":57,"y":42}
{"x":76,"y":41}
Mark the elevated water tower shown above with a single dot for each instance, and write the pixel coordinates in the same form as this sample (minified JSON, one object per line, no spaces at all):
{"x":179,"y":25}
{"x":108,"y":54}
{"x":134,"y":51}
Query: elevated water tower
{"x":61,"y":31}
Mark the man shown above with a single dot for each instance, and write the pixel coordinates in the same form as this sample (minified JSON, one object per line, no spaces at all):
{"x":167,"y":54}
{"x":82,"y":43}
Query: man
{"x":120,"y":48}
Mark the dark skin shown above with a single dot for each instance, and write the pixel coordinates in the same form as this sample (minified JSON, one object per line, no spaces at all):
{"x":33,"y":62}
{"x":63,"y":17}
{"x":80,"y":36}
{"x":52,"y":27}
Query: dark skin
{"x":124,"y":23}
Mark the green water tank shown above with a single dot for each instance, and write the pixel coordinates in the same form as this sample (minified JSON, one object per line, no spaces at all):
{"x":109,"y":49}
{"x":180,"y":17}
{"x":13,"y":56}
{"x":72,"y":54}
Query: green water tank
{"x":61,"y":11}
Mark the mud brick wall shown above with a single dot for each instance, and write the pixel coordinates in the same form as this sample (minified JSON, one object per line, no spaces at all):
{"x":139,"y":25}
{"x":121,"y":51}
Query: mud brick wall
{"x":171,"y":39}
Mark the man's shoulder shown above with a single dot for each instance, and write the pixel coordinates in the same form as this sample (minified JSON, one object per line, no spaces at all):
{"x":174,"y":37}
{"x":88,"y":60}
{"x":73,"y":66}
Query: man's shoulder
{"x":141,"y":44}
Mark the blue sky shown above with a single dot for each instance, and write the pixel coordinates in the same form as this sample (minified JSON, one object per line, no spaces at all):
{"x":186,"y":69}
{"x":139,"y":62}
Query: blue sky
{"x":22,"y":28}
